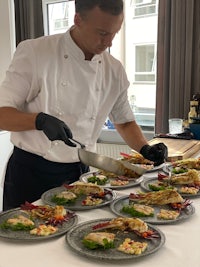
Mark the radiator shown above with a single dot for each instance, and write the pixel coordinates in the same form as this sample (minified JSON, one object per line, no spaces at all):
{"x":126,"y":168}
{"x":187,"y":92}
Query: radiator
{"x":112,"y":150}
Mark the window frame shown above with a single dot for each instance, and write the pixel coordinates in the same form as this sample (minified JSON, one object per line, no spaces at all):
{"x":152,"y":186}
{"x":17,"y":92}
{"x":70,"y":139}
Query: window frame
{"x":143,"y":4}
{"x":45,"y":4}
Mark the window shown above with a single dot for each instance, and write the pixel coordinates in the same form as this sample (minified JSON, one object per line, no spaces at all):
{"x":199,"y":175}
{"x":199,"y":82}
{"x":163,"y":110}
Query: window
{"x":58,"y":16}
{"x":144,"y":7}
{"x":135,"y":46}
{"x":145,"y":63}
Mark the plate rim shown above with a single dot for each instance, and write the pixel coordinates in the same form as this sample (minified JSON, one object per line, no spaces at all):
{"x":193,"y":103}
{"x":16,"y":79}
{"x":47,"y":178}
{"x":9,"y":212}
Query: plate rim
{"x":79,"y":208}
{"x":124,"y":256}
{"x":158,"y":222}
{"x":185,"y":195}
{"x":35,"y":238}
{"x":121,"y":187}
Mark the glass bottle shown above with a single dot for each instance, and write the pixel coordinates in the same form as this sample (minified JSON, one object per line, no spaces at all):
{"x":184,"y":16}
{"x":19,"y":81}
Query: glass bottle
{"x":192,"y":113}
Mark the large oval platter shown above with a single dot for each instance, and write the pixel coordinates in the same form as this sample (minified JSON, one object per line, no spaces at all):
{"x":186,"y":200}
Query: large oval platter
{"x":24,"y":235}
{"x":75,"y":236}
{"x":132,"y":182}
{"x":119,"y":203}
{"x":77,"y":205}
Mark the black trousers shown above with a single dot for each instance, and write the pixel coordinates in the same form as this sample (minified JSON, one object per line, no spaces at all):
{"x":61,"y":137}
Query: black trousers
{"x":28,"y":176}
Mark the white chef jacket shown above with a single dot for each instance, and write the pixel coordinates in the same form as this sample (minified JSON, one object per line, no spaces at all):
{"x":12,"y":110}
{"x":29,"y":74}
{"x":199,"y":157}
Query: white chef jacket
{"x":50,"y":74}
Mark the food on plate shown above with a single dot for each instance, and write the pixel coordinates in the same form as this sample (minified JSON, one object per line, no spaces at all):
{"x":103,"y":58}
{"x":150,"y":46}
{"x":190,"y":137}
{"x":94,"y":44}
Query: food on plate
{"x":19,"y":222}
{"x":43,"y":230}
{"x":157,"y":186}
{"x":190,"y":177}
{"x":118,"y":182}
{"x":168,"y":214}
{"x":129,"y":174}
{"x":136,"y":158}
{"x":148,"y":167}
{"x":98,"y":179}
{"x":190,"y":163}
{"x":45,"y":212}
{"x":136,"y":225}
{"x":132,"y":247}
{"x":138,"y":210}
{"x":161,"y":197}
{"x":96,"y":240}
{"x":52,"y":215}
{"x":92,"y":201}
{"x":81,"y":188}
{"x":189,"y":190}
{"x":177,"y":170}
{"x":64,"y":197}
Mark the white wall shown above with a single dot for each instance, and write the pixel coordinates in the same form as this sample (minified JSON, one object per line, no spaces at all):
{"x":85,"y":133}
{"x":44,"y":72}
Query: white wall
{"x":7,"y":48}
{"x":7,"y":33}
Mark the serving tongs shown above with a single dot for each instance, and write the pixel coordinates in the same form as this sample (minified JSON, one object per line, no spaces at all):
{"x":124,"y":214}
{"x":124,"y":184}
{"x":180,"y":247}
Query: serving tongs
{"x":168,"y":172}
{"x":121,"y":168}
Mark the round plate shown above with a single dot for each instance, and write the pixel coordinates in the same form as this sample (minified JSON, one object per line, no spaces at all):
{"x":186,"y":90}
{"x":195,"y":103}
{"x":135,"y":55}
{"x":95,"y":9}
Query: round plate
{"x":25,"y":235}
{"x":75,"y":236}
{"x":77,"y":205}
{"x":118,"y":204}
{"x":145,"y":186}
{"x":84,"y":178}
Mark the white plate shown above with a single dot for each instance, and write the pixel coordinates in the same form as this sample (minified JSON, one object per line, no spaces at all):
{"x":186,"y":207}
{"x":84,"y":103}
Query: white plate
{"x":75,"y":236}
{"x":118,"y":204}
{"x":133,"y":182}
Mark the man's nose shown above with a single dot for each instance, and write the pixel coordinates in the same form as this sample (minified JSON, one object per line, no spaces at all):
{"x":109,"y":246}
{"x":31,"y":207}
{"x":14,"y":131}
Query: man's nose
{"x":107,"y":41}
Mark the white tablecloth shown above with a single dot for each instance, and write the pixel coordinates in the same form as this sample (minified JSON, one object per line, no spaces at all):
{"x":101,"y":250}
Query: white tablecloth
{"x":181,"y":248}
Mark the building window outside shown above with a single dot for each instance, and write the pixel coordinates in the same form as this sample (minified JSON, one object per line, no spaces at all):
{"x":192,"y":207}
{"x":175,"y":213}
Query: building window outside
{"x":144,"y":7}
{"x":135,"y":46}
{"x":58,"y":16}
{"x":145,"y":63}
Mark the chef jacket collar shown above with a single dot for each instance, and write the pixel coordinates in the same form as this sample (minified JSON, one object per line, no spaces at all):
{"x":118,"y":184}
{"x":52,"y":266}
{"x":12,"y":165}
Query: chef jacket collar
{"x":75,"y":50}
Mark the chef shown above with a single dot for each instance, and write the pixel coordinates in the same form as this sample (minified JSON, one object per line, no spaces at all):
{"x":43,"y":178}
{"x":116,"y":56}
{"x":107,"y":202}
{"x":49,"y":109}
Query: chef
{"x":63,"y":86}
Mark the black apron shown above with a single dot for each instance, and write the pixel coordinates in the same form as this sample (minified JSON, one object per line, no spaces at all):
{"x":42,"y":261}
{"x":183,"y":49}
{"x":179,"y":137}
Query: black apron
{"x":28,"y":176}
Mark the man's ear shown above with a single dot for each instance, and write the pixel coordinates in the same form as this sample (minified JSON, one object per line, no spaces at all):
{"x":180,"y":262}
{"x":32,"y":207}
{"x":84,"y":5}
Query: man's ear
{"x":77,"y":19}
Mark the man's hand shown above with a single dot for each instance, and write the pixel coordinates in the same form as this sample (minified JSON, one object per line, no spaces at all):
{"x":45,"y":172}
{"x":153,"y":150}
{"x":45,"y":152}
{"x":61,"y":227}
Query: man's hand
{"x":157,"y":153}
{"x":54,"y":128}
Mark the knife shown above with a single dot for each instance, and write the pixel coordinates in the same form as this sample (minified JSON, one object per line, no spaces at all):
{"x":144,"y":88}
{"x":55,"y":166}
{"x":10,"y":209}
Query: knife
{"x":106,"y":163}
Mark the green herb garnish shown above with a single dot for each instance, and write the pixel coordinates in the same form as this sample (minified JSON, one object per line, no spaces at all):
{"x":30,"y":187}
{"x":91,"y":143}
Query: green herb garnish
{"x":16,"y":227}
{"x":94,"y":245}
{"x":131,"y":210}
{"x":62,"y":200}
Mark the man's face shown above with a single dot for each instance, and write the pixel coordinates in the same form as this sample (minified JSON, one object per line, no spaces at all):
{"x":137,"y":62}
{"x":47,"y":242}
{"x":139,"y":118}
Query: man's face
{"x":96,"y":30}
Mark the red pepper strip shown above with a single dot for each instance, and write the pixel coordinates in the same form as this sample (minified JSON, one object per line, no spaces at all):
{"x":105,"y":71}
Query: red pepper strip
{"x":68,"y":186}
{"x":28,"y":206}
{"x":161,"y":176}
{"x":125,"y":155}
{"x":149,"y":234}
{"x":100,"y":225}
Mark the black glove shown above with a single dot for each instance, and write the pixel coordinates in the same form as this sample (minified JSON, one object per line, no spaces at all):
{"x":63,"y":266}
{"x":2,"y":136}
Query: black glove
{"x":54,"y":128}
{"x":157,"y":153}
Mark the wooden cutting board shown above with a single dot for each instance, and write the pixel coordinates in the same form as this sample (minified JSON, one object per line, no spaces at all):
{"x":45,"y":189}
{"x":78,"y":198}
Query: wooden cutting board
{"x":178,"y":148}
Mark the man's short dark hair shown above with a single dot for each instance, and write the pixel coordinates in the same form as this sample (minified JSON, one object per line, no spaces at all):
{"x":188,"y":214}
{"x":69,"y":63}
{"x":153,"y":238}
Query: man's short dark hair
{"x":114,"y":7}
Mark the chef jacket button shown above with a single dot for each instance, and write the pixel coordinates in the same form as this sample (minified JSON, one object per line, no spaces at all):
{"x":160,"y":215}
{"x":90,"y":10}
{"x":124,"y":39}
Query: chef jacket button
{"x":99,"y":61}
{"x":63,"y":83}
{"x":60,"y":113}
{"x":55,"y":143}
{"x":66,"y":56}
{"x":92,"y":118}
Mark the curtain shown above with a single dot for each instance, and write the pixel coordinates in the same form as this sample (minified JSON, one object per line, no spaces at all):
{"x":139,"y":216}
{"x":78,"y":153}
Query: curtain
{"x":178,"y":59}
{"x":28,"y":19}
